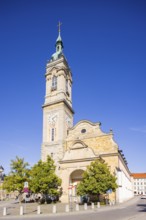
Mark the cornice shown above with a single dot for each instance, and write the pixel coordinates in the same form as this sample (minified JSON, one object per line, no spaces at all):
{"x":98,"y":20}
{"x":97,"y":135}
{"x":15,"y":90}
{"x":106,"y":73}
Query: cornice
{"x":55,"y":62}
{"x":57,"y":102}
{"x":126,"y":167}
{"x":86,"y":121}
{"x":79,"y":160}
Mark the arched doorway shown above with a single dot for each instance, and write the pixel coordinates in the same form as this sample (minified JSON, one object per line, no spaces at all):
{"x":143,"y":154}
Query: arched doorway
{"x":75,"y":178}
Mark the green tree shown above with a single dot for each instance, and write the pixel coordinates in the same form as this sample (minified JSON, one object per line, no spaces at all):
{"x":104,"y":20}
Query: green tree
{"x":97,"y":179}
{"x":43,"y":178}
{"x":18,"y":175}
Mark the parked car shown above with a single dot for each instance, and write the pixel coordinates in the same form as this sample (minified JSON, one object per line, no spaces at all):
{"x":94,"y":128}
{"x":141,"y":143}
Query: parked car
{"x":143,"y":197}
{"x":48,"y":199}
{"x":85,"y":199}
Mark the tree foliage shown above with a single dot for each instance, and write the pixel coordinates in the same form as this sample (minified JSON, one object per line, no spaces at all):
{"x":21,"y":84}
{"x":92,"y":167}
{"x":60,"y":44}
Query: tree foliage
{"x":43,"y":178}
{"x":18,"y":175}
{"x":97,"y":179}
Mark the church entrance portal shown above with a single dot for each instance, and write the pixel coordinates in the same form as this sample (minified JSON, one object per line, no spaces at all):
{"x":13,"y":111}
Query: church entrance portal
{"x":75,"y":178}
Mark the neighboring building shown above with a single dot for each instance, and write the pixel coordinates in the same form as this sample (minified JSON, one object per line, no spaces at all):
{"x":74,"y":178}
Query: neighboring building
{"x":73,"y":148}
{"x":139,"y":183}
{"x":2,"y":192}
{"x":1,"y":173}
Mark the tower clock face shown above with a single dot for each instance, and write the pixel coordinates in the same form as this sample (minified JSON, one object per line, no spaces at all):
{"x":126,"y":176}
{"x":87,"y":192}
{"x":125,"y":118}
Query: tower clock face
{"x":52,"y":119}
{"x":68,"y":122}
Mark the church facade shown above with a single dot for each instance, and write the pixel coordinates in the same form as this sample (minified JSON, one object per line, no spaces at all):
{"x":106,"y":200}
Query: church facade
{"x":74,"y":147}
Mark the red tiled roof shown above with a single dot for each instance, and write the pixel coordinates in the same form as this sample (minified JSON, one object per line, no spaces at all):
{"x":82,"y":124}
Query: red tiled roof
{"x":138,"y":175}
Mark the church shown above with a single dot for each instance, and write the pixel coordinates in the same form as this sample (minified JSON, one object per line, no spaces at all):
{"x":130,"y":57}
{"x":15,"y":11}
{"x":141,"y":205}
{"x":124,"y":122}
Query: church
{"x":74,"y":147}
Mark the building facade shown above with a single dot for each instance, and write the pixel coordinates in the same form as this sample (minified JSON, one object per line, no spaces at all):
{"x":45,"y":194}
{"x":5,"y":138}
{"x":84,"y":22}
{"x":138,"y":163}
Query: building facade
{"x":139,"y":183}
{"x":2,"y":192}
{"x":74,"y":147}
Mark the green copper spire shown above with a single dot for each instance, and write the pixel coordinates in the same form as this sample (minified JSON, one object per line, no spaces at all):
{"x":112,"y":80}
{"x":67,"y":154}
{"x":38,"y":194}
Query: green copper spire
{"x":58,"y":45}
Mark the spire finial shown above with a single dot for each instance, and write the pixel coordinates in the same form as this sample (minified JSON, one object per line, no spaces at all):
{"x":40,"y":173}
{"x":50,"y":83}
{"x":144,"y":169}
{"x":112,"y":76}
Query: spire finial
{"x":58,"y":45}
{"x":59,"y":25}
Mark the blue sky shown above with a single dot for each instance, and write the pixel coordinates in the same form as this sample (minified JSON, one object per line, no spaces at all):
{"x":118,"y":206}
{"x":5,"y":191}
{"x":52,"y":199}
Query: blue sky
{"x":105,"y":45}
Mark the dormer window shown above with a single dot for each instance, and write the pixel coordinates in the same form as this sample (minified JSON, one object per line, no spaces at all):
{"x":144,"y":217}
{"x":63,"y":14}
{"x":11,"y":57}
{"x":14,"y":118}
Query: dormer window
{"x":54,"y":83}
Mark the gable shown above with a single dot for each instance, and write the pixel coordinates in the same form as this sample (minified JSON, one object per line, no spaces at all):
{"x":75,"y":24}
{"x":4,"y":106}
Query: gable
{"x":78,"y":151}
{"x":84,"y":129}
{"x":92,"y":136}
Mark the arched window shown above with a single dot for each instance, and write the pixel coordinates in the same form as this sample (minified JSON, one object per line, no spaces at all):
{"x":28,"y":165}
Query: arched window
{"x":67,"y":90}
{"x":66,"y":85}
{"x":54,"y":83}
{"x":52,"y":134}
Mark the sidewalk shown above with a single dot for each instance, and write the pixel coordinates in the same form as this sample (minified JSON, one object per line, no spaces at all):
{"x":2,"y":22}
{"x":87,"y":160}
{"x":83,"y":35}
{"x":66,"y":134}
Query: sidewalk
{"x":142,"y":217}
{"x":13,"y":208}
{"x":31,"y":209}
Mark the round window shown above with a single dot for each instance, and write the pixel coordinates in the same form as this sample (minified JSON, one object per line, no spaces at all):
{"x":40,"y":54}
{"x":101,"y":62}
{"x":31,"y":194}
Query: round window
{"x":83,"y":131}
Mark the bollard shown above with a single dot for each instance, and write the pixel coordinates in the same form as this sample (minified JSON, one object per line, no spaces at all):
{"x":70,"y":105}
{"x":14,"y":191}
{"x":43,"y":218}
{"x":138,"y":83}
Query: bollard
{"x":38,"y":210}
{"x":54,"y":209}
{"x":77,"y":207}
{"x":85,"y":206}
{"x":110,"y":203}
{"x":5,"y":211}
{"x":66,"y":208}
{"x":98,"y":205}
{"x":21,"y":210}
{"x":92,"y":205}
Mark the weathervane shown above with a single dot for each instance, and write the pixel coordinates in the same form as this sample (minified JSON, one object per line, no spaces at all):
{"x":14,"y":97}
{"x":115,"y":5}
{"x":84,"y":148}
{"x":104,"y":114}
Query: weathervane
{"x":59,"y":25}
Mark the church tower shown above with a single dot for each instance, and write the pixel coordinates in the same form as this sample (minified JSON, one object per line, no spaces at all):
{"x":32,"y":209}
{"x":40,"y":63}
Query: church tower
{"x":57,"y":108}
